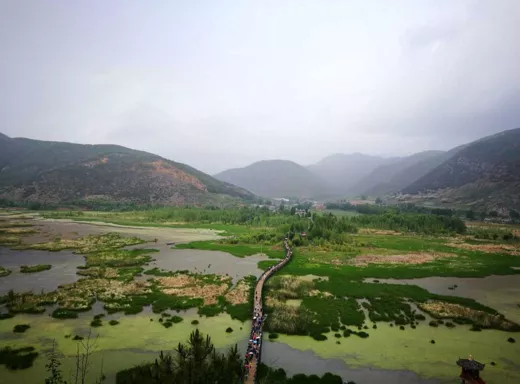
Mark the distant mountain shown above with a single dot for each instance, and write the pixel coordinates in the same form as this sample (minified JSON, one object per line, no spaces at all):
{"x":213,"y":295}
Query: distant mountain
{"x":342,"y":172}
{"x":484,"y":173}
{"x":46,"y":171}
{"x":390,"y":178}
{"x":275,"y":178}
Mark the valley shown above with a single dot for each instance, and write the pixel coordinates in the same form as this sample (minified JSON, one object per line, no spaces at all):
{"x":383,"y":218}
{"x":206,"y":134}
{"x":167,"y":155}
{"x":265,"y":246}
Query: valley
{"x":346,"y":299}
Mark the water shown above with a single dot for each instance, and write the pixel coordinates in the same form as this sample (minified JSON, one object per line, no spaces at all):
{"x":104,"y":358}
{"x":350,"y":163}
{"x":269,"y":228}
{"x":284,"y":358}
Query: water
{"x":63,"y":271}
{"x":501,"y":293}
{"x":206,"y":262}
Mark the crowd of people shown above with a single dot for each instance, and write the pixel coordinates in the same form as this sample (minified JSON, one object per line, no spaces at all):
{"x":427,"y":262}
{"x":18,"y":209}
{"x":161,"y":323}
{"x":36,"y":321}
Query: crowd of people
{"x":254,"y":345}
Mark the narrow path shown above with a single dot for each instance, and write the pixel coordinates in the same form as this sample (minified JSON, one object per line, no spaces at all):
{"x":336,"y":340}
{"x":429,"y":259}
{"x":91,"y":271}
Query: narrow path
{"x":254,"y":348}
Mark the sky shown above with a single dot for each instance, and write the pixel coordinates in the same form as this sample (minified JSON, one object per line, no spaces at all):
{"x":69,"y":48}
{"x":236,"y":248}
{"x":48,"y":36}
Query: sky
{"x":222,"y":84}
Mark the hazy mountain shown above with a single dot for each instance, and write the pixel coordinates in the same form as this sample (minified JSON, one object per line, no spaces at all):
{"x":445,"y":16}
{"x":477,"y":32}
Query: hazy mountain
{"x":342,"y":172}
{"x":390,"y":178}
{"x":33,"y":170}
{"x":485,"y":172}
{"x":275,"y":178}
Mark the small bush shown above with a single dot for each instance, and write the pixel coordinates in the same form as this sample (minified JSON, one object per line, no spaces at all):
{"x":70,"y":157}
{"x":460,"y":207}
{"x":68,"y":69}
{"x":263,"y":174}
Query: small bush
{"x":194,"y":322}
{"x":20,"y":358}
{"x":229,"y":330}
{"x":450,"y":324}
{"x":96,"y":323}
{"x":511,"y":340}
{"x":433,"y":323}
{"x":432,"y":341}
{"x":176,"y":319}
{"x":319,"y":337}
{"x":273,"y":336}
{"x":338,"y":342}
{"x":337,"y":335}
{"x":167,"y":324}
{"x":113,"y":322}
{"x":475,"y":328}
{"x":77,"y":338}
{"x":401,"y":327}
{"x":374,"y":326}
{"x":61,"y":313}
{"x":362,"y":334}
{"x":420,"y":317}
{"x":413,"y":326}
{"x":21,"y":328}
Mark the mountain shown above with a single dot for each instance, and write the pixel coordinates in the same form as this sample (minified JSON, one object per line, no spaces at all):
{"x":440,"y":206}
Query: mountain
{"x":52,"y":172}
{"x":484,"y":173}
{"x":275,"y":178}
{"x":390,"y":178}
{"x":342,"y":172}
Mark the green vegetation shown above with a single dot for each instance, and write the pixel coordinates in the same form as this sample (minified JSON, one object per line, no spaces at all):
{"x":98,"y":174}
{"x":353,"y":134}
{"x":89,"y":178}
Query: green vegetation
{"x":4,"y":272}
{"x":197,"y":361}
{"x":21,"y":358}
{"x":34,"y":268}
{"x":61,"y":313}
{"x":113,"y":322}
{"x":229,"y":330}
{"x":21,"y":328}
{"x":279,"y":376}
{"x":239,"y":250}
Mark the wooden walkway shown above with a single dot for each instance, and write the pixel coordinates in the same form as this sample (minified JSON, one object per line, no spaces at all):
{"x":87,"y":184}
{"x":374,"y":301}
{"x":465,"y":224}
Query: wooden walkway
{"x":258,"y":317}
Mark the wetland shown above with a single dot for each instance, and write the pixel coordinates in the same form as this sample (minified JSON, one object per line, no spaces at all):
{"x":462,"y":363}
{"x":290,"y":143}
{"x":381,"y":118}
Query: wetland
{"x":360,"y":308}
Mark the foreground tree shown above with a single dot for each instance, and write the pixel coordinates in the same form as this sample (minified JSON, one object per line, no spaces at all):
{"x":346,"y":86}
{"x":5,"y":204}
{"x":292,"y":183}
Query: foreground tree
{"x":196,"y":362}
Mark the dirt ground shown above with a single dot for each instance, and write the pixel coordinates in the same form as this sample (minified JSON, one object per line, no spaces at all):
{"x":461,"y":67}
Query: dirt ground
{"x":409,"y":258}
{"x":69,"y":230}
{"x":489,"y":248}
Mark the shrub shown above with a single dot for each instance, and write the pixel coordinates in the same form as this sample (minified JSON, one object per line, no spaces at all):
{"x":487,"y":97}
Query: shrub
{"x":96,"y":323}
{"x":77,"y":338}
{"x":420,"y":316}
{"x":194,"y":322}
{"x":61,"y":313}
{"x":176,"y":319}
{"x":21,"y":328}
{"x":450,"y":324}
{"x":20,"y":358}
{"x":229,"y":330}
{"x":337,"y":335}
{"x":511,"y":340}
{"x":319,"y":337}
{"x":401,"y":327}
{"x":113,"y":322}
{"x":273,"y":336}
{"x":362,"y":334}
{"x":432,"y":341}
{"x":433,"y":323}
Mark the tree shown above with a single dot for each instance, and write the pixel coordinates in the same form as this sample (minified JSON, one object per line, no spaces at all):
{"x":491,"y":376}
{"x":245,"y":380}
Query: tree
{"x":194,"y":362}
{"x":379,"y":201}
{"x":470,"y":215}
{"x":53,"y":367}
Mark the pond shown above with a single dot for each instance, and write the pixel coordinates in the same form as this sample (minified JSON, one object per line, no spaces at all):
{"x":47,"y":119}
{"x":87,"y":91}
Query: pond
{"x":498,"y":292}
{"x":63,"y":271}
{"x":205,"y":262}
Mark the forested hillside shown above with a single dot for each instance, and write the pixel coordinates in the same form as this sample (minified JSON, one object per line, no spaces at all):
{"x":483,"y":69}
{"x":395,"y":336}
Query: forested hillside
{"x":484,"y":173}
{"x":51,"y":172}
{"x":276,"y":178}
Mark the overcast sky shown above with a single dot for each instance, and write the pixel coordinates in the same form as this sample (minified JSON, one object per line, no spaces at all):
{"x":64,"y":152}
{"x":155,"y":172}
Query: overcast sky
{"x":220,"y":84}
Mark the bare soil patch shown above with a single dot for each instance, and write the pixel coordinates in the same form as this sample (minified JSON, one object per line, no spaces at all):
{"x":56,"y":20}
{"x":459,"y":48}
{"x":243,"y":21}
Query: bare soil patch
{"x":238,"y":294}
{"x":487,"y":247}
{"x":370,"y":231}
{"x":442,"y":309}
{"x":190,"y":286}
{"x":409,"y":258}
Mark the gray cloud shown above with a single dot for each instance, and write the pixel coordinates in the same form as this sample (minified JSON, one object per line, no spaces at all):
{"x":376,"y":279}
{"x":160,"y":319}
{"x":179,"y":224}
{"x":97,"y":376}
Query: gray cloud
{"x":222,"y":84}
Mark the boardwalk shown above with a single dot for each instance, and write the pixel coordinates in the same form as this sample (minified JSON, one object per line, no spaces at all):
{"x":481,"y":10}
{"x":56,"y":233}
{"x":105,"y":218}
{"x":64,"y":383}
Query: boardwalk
{"x":254,"y":349}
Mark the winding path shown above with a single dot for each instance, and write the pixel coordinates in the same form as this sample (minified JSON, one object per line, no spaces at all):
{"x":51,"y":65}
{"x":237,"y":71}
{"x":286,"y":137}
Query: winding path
{"x":257,"y":324}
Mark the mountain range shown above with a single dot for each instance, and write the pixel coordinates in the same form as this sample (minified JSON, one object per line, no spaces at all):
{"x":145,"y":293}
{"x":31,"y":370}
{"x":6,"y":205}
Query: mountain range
{"x":57,"y":172}
{"x":484,"y":174}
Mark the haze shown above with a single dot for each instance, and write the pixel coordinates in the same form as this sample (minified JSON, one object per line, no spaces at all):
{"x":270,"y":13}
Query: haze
{"x":221,"y":84}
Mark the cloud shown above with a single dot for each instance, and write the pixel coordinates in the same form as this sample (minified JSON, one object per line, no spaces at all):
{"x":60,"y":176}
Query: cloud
{"x":222,"y":85}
